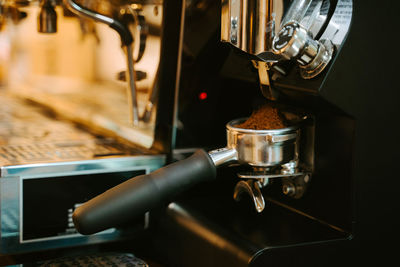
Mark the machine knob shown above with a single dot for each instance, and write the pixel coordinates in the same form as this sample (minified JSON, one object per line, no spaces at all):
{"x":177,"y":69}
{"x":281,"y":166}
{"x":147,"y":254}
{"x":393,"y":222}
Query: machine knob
{"x":294,"y":42}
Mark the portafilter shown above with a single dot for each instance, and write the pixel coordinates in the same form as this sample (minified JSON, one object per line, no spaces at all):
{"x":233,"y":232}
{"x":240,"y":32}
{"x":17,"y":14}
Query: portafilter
{"x":136,"y":196}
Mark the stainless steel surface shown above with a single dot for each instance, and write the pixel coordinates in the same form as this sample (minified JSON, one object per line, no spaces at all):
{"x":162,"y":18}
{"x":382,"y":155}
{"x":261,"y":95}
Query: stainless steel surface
{"x":266,"y":85}
{"x":296,"y":11}
{"x":294,"y":42}
{"x":223,"y":156}
{"x":266,"y":175}
{"x":321,"y":60}
{"x":250,"y":25}
{"x":316,"y":16}
{"x":259,"y":148}
{"x":31,"y":141}
{"x":289,"y":168}
{"x":339,"y":24}
{"x":263,"y":148}
{"x":66,"y":167}
{"x":102,"y":108}
{"x":272,"y":154}
{"x":35,"y":146}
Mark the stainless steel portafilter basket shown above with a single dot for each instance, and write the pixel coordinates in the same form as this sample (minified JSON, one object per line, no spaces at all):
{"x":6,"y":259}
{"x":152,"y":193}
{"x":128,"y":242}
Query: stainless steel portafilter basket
{"x":258,"y":148}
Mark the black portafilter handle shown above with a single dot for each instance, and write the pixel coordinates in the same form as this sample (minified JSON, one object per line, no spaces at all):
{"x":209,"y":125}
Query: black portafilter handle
{"x":133,"y":198}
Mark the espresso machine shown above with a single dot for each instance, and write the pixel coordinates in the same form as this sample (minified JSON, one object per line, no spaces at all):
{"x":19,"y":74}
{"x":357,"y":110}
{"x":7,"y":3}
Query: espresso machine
{"x":309,"y":194}
{"x":76,"y":120}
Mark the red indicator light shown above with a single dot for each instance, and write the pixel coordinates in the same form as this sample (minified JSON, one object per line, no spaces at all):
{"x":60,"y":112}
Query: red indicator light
{"x":203,"y":96}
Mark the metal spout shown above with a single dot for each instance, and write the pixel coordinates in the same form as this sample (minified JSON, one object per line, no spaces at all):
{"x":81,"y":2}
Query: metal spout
{"x":252,"y":188}
{"x":266,"y":84}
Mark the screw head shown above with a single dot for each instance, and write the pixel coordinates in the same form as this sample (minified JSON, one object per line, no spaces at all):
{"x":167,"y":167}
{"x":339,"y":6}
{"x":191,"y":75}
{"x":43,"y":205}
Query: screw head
{"x":289,"y":189}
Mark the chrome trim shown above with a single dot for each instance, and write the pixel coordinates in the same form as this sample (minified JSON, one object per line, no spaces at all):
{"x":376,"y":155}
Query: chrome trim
{"x":294,"y":42}
{"x":296,"y":11}
{"x":255,"y":175}
{"x":263,"y":148}
{"x":339,"y":24}
{"x":41,"y":170}
{"x":316,"y":16}
{"x":319,"y":62}
{"x":223,"y":156}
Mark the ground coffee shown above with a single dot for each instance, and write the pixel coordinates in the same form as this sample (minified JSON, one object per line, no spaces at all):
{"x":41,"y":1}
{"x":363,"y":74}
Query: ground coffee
{"x":265,"y":118}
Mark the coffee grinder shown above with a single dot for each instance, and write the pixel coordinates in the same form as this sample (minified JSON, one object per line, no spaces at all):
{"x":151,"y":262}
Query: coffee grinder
{"x":293,"y":47}
{"x":327,"y":225}
{"x":288,"y":49}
